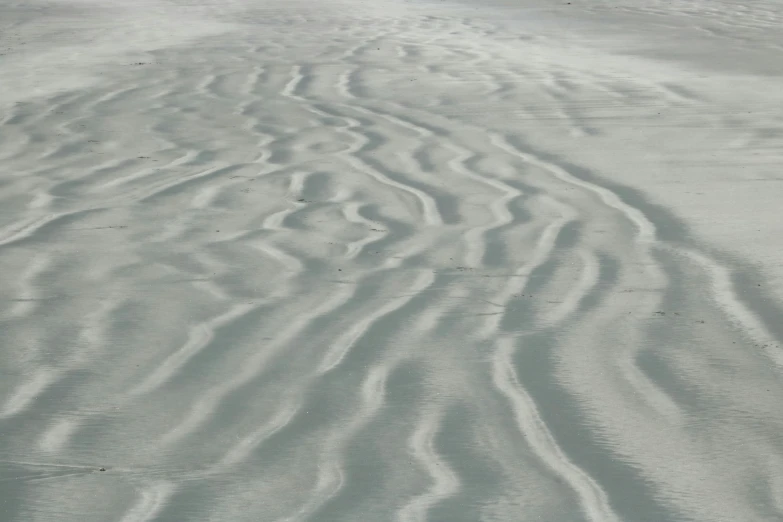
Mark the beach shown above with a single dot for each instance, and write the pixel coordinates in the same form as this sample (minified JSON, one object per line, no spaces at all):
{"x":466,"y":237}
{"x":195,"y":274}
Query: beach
{"x":391,"y":260}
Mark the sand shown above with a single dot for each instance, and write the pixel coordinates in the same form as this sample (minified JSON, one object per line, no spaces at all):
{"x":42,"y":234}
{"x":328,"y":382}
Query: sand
{"x":370,"y":260}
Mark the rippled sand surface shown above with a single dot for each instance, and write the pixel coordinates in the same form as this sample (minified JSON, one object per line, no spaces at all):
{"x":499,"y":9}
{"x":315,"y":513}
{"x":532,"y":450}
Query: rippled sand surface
{"x":391,"y":260}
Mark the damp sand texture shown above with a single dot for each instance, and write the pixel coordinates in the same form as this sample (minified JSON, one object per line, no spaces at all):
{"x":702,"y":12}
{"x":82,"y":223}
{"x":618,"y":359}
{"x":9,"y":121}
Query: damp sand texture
{"x":387,"y":260}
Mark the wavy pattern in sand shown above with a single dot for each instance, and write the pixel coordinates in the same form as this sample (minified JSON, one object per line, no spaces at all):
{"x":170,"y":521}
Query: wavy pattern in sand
{"x":295,"y":273}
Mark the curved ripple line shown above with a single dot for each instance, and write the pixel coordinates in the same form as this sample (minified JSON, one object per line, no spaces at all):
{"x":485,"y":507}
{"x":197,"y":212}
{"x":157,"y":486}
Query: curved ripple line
{"x":209,"y":401}
{"x":205,"y":197}
{"x":499,"y":208}
{"x":199,"y":338}
{"x":290,"y":262}
{"x":728,"y":300}
{"x":445,"y":482}
{"x":343,"y":345}
{"x":169,"y":186}
{"x":646,"y":229}
{"x":541,"y":253}
{"x":475,"y":238}
{"x":57,"y":436}
{"x":153,"y":500}
{"x":593,"y":499}
{"x":28,"y":228}
{"x":28,"y":391}
{"x":189,"y":155}
{"x":290,"y":88}
{"x":242,"y":449}
{"x":351,"y":155}
{"x":345,"y":83}
{"x":28,"y":293}
{"x":587,"y":281}
{"x":352,"y":213}
{"x":331,"y":478}
{"x":275,"y":221}
{"x":428,"y":204}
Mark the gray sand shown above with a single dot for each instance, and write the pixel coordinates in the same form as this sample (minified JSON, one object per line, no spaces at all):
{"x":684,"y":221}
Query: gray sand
{"x":345,"y":260}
